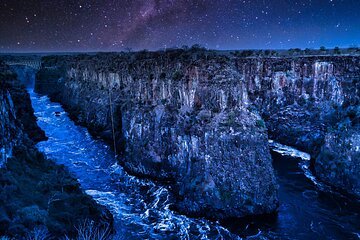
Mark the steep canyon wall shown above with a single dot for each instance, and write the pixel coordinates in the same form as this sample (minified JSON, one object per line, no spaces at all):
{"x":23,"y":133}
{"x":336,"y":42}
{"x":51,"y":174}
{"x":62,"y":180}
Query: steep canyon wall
{"x":312,"y":103}
{"x":201,"y":121}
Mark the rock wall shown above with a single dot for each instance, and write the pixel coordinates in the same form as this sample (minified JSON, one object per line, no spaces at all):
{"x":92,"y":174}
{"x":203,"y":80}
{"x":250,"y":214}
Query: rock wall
{"x":17,"y":119}
{"x":201,"y":120}
{"x":296,"y":96}
{"x":183,"y":122}
{"x":9,"y":133}
{"x":339,"y":160}
{"x":308,"y":103}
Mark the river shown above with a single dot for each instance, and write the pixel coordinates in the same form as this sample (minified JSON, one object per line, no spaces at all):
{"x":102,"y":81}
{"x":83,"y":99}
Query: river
{"x":141,"y":208}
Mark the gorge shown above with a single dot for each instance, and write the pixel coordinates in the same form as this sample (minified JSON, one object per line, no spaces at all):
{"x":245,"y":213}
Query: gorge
{"x":198,"y":123}
{"x":37,"y":196}
{"x":202,"y":101}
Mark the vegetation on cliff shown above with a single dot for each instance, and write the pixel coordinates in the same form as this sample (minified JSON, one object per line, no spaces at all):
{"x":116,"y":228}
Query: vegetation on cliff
{"x":35,"y":193}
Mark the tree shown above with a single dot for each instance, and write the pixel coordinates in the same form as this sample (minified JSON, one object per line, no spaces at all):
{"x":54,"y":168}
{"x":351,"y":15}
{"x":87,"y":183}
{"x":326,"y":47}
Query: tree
{"x":353,"y":48}
{"x":294,"y":51}
{"x":247,"y":53}
{"x":337,"y":50}
{"x":196,"y":47}
{"x":322,"y":48}
{"x":185,"y":47}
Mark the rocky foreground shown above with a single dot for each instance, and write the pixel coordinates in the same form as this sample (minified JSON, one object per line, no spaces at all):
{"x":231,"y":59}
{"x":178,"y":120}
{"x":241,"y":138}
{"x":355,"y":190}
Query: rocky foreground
{"x":201,"y":121}
{"x":35,"y":193}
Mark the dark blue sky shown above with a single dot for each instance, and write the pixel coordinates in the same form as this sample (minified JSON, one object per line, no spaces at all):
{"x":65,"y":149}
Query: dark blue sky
{"x":113,"y":25}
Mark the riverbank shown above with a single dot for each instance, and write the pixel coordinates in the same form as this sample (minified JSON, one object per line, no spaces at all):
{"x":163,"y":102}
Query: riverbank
{"x":35,"y":193}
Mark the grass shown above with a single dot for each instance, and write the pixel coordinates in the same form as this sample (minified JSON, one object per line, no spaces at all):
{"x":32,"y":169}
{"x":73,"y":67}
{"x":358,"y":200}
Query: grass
{"x":88,"y":230}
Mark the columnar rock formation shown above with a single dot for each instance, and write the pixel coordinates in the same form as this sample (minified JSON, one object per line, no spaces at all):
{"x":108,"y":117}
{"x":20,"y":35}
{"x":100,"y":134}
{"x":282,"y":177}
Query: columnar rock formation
{"x":199,"y":119}
{"x":312,"y":103}
{"x":183,"y":122}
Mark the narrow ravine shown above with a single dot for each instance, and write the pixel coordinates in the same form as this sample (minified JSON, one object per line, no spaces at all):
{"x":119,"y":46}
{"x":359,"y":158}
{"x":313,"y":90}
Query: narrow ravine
{"x":141,"y":207}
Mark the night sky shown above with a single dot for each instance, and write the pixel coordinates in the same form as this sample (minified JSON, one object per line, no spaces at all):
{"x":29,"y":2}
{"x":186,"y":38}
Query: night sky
{"x":116,"y":25}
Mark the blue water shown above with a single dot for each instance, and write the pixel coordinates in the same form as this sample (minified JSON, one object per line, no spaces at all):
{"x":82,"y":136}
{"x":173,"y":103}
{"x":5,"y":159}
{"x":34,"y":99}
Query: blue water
{"x":141,"y":208}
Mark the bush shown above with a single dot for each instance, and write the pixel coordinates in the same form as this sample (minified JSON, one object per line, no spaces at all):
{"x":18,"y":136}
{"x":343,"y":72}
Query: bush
{"x":88,"y":230}
{"x":32,"y":215}
{"x":178,"y":75}
{"x":246,"y":53}
{"x":337,"y":50}
{"x":260,"y":123}
{"x":39,"y":233}
{"x":31,"y":183}
{"x":162,"y":76}
{"x":5,"y":238}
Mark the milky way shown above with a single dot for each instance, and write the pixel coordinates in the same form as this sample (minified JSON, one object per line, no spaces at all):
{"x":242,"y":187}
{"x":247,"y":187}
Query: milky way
{"x":109,"y":25}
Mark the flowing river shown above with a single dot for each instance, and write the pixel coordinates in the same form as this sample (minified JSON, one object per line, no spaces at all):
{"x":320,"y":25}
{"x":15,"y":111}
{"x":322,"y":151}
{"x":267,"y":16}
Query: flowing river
{"x":141,"y":208}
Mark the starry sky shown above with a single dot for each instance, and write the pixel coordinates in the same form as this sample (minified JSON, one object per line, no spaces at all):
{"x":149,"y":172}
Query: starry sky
{"x":117,"y":25}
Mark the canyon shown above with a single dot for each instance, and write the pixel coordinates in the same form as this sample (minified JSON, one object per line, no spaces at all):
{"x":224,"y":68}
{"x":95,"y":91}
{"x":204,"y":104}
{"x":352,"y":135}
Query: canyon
{"x":34,"y":191}
{"x":200,"y":121}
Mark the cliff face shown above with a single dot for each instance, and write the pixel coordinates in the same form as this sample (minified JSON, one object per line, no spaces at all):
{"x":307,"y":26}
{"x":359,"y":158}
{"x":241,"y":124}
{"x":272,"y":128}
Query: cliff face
{"x":185,"y":123}
{"x":311,"y":103}
{"x":197,"y":119}
{"x":297,"y":96}
{"x":10,"y":135}
{"x":20,"y":97}
{"x":17,"y":120}
{"x":339,"y":160}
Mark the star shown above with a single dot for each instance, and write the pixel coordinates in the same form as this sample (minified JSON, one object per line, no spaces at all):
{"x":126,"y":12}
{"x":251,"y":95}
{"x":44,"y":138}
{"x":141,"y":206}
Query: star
{"x":112,"y":25}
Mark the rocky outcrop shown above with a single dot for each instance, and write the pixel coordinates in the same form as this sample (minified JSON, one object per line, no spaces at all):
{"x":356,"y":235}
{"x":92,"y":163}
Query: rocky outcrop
{"x":297,"y":96}
{"x":201,"y":120}
{"x":11,"y":134}
{"x":20,"y":97}
{"x":34,"y":191}
{"x":339,"y":160}
{"x":304,"y":101}
{"x":185,"y":122}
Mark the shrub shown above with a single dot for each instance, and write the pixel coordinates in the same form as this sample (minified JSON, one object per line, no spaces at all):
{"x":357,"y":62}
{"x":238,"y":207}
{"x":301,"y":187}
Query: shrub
{"x":88,"y":230}
{"x":162,"y":76}
{"x":178,"y":75}
{"x":337,"y":50}
{"x":260,"y":123}
{"x":39,"y":233}
{"x":246,"y":53}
